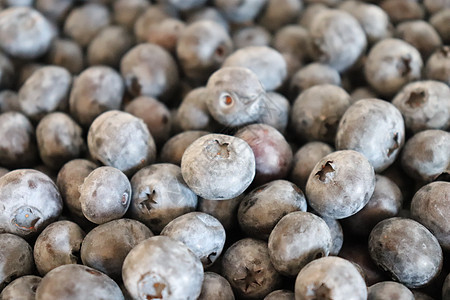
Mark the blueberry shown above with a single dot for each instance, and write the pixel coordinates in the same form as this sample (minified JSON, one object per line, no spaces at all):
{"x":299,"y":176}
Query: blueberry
{"x":225,"y":210}
{"x":421,"y":35}
{"x":105,"y":195}
{"x":237,"y":97}
{"x":406,"y":250}
{"x":46,"y":90}
{"x":215,"y":287}
{"x":330,"y":277}
{"x":373,"y":19}
{"x":73,"y":282}
{"x":203,"y":234}
{"x":316,"y":112}
{"x":336,"y":39}
{"x":108,"y":46}
{"x":267,"y":64}
{"x":155,"y":115}
{"x":251,"y":36}
{"x":202,"y":48}
{"x":166,"y":33}
{"x":262,"y":208}
{"x":385,"y":202}
{"x":273,"y":155}
{"x":240,"y":11}
{"x":438,"y":65}
{"x":305,"y":159}
{"x":290,"y":41}
{"x":22,"y":288}
{"x":297,"y":239}
{"x":174,"y":148}
{"x":426,"y":155}
{"x":126,"y":12}
{"x":105,"y":247}
{"x":280,"y":295}
{"x":67,"y":54}
{"x":374,"y":128}
{"x":84,"y":22}
{"x":96,"y":90}
{"x":312,"y":8}
{"x":59,"y":139}
{"x":217,"y":166}
{"x":360,"y":93}
{"x":311,"y":75}
{"x":58,"y":244}
{"x":421,"y":296}
{"x":340,"y":184}
{"x":247,"y":267}
{"x":70,"y":177}
{"x":149,"y":70}
{"x":150,"y":16}
{"x":17,"y":140}
{"x":29,"y":200}
{"x":277,"y":14}
{"x":433,"y":6}
{"x":26,"y":71}
{"x":163,"y":268}
{"x":402,"y":10}
{"x":193,"y":114}
{"x":439,"y":21}
{"x":389,"y":290}
{"x":54,"y":10}
{"x":276,"y":111}
{"x":160,"y":195}
{"x":24,"y":32}
{"x":10,"y":3}
{"x":121,"y":140}
{"x":337,"y":235}
{"x":424,"y":105}
{"x":392,"y":63}
{"x":429,"y":206}
{"x":17,"y":258}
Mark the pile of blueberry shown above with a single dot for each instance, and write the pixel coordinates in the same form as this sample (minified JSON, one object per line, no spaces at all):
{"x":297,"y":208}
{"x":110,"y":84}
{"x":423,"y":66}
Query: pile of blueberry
{"x":225,"y":149}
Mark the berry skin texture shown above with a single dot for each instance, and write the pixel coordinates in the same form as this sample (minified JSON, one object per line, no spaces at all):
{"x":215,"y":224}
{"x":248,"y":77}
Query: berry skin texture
{"x":29,"y":200}
{"x":202,"y":233}
{"x":390,"y":64}
{"x":247,"y":267}
{"x":121,"y":140}
{"x":297,"y":239}
{"x":23,"y":288}
{"x":374,"y":128}
{"x":58,"y":244}
{"x":105,"y":247}
{"x":430,"y":206}
{"x":340,"y":184}
{"x":336,"y":39}
{"x":237,"y":97}
{"x":105,"y":195}
{"x":215,"y":287}
{"x":76,"y":282}
{"x":161,"y":267}
{"x":24,"y":32}
{"x":330,"y":278}
{"x":406,"y":250}
{"x":426,"y":155}
{"x":273,"y":154}
{"x":218,"y":166}
{"x":424,"y":105}
{"x":389,"y":290}
{"x":160,"y":195}
{"x":16,"y":258}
